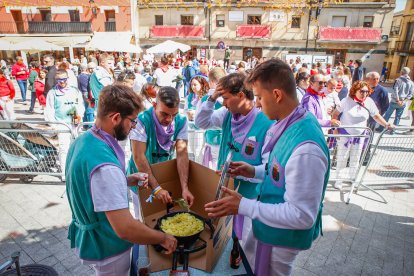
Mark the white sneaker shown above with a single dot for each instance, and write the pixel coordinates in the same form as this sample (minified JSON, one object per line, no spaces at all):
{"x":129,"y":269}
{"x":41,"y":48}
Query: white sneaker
{"x":338,"y":185}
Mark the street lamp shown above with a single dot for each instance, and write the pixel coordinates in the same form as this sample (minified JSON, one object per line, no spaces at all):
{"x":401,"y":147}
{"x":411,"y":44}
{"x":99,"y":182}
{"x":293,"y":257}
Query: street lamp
{"x":317,"y":13}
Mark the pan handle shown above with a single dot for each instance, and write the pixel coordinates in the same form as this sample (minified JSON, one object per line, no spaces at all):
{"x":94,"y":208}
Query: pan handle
{"x":211,"y":226}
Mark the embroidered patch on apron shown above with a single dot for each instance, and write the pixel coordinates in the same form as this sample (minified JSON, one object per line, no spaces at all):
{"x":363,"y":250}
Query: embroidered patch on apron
{"x":277,"y":174}
{"x":250,"y":149}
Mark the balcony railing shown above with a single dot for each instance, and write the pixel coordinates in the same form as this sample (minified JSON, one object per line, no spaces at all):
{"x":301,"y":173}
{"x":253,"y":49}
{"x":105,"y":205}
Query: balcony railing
{"x":404,"y":46}
{"x":253,"y":31}
{"x":110,"y":26}
{"x":348,"y":34}
{"x":180,"y":31}
{"x":32,"y":27}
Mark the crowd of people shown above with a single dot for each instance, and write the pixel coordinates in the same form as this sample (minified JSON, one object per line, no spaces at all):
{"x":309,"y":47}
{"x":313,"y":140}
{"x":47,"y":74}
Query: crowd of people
{"x":273,"y":113}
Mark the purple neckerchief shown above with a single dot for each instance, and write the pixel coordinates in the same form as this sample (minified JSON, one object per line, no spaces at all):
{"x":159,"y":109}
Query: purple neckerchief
{"x":263,"y":259}
{"x":314,"y":99}
{"x":238,"y":221}
{"x":111,"y":142}
{"x":208,"y":156}
{"x":62,"y":90}
{"x":195,"y":100}
{"x":240,"y":125}
{"x":277,"y":129}
{"x":163,"y":135}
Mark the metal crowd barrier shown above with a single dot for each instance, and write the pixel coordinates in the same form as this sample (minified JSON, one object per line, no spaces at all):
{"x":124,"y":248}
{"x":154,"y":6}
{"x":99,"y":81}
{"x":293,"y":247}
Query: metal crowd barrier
{"x":391,"y":160}
{"x":196,"y":143}
{"x":31,"y":148}
{"x":348,"y":147}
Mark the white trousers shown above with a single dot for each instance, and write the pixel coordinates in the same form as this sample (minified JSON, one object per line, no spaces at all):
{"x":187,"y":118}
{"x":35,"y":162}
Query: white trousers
{"x":117,"y":266}
{"x":281,"y":261}
{"x":7,"y":106}
{"x":353,"y":151}
{"x":64,"y":140}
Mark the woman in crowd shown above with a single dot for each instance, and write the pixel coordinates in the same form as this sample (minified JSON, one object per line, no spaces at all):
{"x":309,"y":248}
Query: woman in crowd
{"x":198,"y":88}
{"x":21,"y":73}
{"x":39,"y":87}
{"x":302,"y":84}
{"x":7,"y":93}
{"x":34,"y":73}
{"x":149,"y":93}
{"x":355,"y":111}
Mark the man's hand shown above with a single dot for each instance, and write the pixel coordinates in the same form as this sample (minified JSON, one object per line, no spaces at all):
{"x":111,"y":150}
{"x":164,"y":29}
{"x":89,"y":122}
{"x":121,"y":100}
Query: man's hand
{"x":228,"y":205}
{"x":190,"y":115}
{"x":134,"y":178}
{"x":170,"y":244}
{"x":188,"y":196}
{"x":400,"y":103}
{"x":390,"y":126}
{"x":335,"y":123}
{"x":217,"y":93}
{"x":241,"y":169}
{"x":164,"y":196}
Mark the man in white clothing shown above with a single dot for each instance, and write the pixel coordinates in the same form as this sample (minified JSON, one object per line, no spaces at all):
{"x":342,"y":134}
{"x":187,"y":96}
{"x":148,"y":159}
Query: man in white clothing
{"x":287,"y":213}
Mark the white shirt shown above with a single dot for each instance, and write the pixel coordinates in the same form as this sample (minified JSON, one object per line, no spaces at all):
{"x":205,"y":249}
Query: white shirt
{"x":303,"y":192}
{"x":165,"y":78}
{"x":355,"y":115}
{"x":138,"y":83}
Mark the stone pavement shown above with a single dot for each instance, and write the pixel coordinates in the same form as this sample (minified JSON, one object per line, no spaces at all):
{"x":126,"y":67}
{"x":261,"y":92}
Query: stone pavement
{"x":365,"y":237}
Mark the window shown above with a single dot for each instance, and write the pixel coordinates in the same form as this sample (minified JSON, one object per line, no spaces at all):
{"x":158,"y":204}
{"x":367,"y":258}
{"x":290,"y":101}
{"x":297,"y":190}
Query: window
{"x":338,"y":21}
{"x":159,"y":20}
{"x":110,"y":16}
{"x":74,"y":15}
{"x":220,"y":20}
{"x":254,"y":19}
{"x":295,"y":22}
{"x":187,"y":20}
{"x":368,"y":21}
{"x":46,"y":15}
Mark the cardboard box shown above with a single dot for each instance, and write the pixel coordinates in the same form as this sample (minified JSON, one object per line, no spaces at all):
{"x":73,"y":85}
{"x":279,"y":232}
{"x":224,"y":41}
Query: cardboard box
{"x":202,"y":184}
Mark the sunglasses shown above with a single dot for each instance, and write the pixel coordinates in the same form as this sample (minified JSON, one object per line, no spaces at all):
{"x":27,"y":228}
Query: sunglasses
{"x":62,"y":79}
{"x":320,"y":82}
{"x":364,"y":91}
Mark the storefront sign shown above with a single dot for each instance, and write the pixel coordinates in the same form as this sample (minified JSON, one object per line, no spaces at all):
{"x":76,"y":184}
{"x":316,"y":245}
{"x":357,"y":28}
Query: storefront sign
{"x":277,"y":16}
{"x":235,"y":16}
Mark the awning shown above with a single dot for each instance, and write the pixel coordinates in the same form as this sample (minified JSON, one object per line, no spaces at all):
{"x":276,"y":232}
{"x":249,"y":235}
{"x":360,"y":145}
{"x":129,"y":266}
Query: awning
{"x":64,"y":41}
{"x":113,"y":42}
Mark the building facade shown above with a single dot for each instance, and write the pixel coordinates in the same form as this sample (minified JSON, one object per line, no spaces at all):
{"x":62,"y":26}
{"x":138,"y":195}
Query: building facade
{"x":344,"y":29}
{"x":401,"y":47}
{"x":65,"y":23}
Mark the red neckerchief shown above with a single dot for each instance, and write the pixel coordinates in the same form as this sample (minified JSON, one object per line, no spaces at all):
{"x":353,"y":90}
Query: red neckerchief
{"x":359,"y":101}
{"x":313,"y":92}
{"x":164,"y":68}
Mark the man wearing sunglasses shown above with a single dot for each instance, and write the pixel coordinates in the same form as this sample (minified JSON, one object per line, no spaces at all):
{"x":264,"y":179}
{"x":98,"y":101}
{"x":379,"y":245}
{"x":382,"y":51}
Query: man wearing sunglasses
{"x":64,"y":104}
{"x":315,"y":101}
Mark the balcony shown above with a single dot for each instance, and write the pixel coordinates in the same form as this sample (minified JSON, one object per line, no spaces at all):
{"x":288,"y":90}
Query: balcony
{"x":347,"y":34}
{"x":395,"y":31}
{"x":404,"y":46}
{"x":110,"y":26}
{"x":180,"y":31}
{"x":44,"y":27}
{"x":253,"y":31}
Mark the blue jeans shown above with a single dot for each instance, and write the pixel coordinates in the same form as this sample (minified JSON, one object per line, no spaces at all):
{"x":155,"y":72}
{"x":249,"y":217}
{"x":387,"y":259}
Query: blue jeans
{"x":398,"y":112}
{"x":23,"y":87}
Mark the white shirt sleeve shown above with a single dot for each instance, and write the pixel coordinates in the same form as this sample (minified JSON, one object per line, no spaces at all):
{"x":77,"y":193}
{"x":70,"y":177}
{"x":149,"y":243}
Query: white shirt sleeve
{"x":183,"y":134}
{"x":49,"y":111}
{"x":208,"y":118}
{"x":138,"y":133}
{"x":259,"y":170}
{"x":303,"y":192}
{"x":109,"y":189}
{"x":371,"y":106}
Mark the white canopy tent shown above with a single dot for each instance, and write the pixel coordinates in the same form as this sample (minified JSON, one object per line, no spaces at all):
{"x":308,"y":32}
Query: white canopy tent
{"x":113,"y":42}
{"x":37,"y":45}
{"x":168,"y":47}
{"x":6,"y":46}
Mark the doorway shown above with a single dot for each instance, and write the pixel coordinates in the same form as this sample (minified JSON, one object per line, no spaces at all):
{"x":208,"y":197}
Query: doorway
{"x":18,"y":20}
{"x":339,"y":55}
{"x":249,"y":52}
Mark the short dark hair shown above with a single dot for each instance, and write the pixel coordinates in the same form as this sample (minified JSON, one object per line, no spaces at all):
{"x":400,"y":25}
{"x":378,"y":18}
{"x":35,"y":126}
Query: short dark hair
{"x":302,"y":76}
{"x":61,"y":72}
{"x":234,"y":83}
{"x":126,"y":75}
{"x":169,"y":96}
{"x":274,"y":73}
{"x":118,"y":98}
{"x":49,"y":57}
{"x":358,"y":61}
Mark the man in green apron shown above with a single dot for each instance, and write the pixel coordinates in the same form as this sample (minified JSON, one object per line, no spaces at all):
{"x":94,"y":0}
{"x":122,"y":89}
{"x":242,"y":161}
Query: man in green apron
{"x":103,"y":230}
{"x":287,"y":214}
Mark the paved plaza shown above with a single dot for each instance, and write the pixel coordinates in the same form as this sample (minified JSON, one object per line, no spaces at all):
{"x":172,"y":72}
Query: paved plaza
{"x":365,"y":237}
